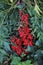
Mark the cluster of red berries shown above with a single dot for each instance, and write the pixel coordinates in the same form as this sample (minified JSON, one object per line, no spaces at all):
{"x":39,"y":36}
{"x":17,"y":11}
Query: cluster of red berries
{"x":24,"y":17}
{"x":26,"y":38}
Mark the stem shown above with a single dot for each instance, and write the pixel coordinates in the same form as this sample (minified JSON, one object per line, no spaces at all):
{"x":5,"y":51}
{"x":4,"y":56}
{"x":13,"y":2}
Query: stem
{"x":35,"y":2}
{"x":6,"y":61}
{"x":18,"y":2}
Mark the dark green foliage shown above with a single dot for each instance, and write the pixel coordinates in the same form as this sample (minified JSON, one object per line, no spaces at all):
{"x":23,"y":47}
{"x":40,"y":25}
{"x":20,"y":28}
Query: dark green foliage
{"x":9,"y":22}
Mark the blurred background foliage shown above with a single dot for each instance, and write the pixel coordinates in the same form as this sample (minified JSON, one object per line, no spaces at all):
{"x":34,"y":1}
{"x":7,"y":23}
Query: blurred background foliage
{"x":9,"y":22}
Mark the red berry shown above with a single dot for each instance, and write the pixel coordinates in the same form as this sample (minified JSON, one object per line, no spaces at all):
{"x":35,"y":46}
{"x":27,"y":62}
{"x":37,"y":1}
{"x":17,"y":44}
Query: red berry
{"x":21,"y":13}
{"x":26,"y":42}
{"x":30,"y":37}
{"x":26,"y":38}
{"x":26,"y":15}
{"x":31,"y":43}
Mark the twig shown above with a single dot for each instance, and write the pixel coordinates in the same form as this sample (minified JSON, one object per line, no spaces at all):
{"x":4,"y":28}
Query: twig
{"x":6,"y":61}
{"x":35,"y":1}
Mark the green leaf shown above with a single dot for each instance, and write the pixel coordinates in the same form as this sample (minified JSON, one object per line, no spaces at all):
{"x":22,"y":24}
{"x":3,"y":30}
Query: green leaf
{"x":38,"y":42}
{"x":4,"y":52}
{"x":15,"y":60}
{"x":30,"y":49}
{"x":20,"y":6}
{"x":6,"y":46}
{"x":1,"y":58}
{"x":41,"y":26}
{"x":25,"y":63}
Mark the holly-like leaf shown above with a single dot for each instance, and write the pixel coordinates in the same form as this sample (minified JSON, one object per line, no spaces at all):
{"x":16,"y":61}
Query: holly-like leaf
{"x":15,"y":60}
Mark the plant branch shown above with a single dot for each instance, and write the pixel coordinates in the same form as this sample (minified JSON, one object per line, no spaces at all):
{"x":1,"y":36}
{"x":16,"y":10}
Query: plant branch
{"x":6,"y":61}
{"x":35,"y":1}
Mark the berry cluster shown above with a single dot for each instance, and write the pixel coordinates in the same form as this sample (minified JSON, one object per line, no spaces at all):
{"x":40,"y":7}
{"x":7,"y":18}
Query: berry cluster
{"x":24,"y":17}
{"x":25,"y":39}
